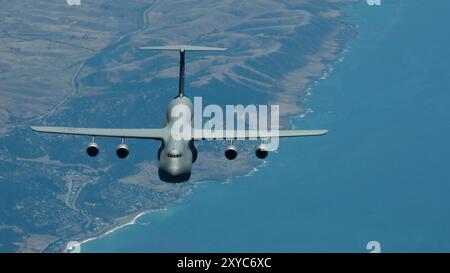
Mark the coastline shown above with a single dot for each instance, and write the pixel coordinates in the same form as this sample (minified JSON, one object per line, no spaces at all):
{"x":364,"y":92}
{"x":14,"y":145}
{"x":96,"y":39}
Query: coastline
{"x":86,"y":224}
{"x":341,"y":49}
{"x":127,"y":220}
{"x":310,"y":211}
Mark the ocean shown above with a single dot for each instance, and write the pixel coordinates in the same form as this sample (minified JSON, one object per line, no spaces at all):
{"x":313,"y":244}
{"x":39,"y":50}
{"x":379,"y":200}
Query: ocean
{"x":381,"y":174}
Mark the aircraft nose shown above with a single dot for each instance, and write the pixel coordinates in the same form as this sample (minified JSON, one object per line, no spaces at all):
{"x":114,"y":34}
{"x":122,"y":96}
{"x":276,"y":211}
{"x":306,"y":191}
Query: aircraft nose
{"x":173,"y":170}
{"x":173,"y":175}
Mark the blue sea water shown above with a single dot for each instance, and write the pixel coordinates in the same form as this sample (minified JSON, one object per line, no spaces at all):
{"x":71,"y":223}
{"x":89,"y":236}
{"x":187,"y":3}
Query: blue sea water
{"x":381,"y":174}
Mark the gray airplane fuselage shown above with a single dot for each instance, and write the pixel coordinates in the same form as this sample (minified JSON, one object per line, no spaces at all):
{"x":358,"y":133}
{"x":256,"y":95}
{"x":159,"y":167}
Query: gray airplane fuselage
{"x":176,"y":154}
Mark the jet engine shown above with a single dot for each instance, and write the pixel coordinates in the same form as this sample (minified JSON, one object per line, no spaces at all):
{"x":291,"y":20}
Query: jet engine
{"x":122,"y":150}
{"x":92,"y":149}
{"x":231,"y":152}
{"x":261,"y":152}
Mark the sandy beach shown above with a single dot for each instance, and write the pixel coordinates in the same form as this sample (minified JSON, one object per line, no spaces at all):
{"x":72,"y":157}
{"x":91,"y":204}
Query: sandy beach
{"x":121,"y":223}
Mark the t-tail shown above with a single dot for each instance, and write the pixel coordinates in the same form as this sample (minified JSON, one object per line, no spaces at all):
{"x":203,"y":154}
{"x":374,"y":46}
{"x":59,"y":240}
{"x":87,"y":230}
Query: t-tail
{"x":182,"y":49}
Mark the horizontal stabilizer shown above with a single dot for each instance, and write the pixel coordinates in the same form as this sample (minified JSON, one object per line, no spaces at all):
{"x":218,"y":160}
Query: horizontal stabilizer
{"x":182,"y":48}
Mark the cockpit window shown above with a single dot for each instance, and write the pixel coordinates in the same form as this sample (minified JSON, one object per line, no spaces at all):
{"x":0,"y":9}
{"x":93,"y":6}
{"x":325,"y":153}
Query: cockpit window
{"x":171,"y":155}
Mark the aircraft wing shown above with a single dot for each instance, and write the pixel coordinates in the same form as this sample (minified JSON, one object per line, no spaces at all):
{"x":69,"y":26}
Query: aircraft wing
{"x":160,"y":133}
{"x":128,"y":133}
{"x":249,"y":134}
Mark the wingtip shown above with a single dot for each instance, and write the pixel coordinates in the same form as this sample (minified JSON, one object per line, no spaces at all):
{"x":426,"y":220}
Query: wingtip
{"x":37,"y":128}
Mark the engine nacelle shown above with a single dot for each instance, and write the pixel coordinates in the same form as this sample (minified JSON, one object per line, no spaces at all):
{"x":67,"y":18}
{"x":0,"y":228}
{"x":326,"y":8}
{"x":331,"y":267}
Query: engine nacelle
{"x":122,"y":150}
{"x":92,"y":149}
{"x":261,"y":152}
{"x":231,"y":152}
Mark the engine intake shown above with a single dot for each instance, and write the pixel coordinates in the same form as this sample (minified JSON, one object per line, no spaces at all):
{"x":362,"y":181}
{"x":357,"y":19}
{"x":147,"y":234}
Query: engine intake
{"x":261,"y":152}
{"x":122,"y":150}
{"x":92,"y":149}
{"x":231,"y":152}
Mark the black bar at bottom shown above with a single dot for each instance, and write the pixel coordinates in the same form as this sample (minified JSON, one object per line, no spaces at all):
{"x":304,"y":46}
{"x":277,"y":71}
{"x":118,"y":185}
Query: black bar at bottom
{"x":207,"y":262}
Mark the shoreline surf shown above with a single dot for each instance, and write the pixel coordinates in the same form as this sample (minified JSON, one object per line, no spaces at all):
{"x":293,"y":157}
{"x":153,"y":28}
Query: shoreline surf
{"x":114,"y":228}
